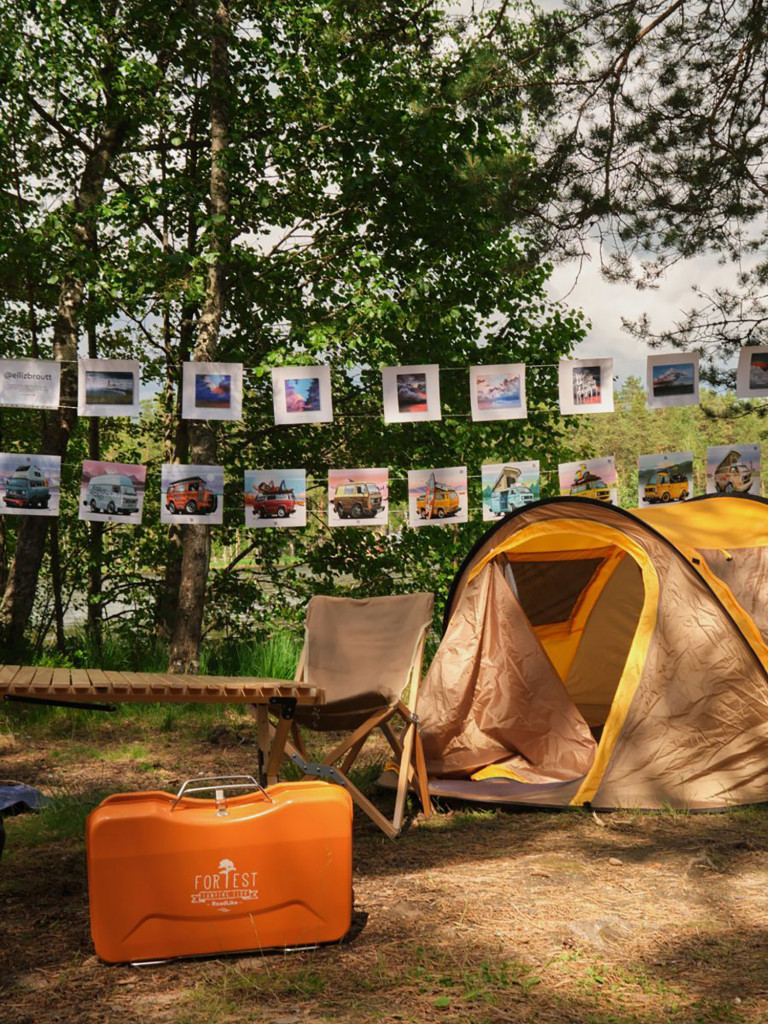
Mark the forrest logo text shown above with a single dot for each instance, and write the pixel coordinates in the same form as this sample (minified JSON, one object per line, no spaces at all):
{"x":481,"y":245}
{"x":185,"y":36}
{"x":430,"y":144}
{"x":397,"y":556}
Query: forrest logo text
{"x":225,"y":887}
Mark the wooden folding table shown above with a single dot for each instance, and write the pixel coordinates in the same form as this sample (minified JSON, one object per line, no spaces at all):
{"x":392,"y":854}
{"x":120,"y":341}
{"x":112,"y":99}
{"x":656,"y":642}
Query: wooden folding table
{"x":91,"y":687}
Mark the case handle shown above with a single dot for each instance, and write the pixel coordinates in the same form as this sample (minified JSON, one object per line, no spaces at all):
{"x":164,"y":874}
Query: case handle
{"x":218,"y":783}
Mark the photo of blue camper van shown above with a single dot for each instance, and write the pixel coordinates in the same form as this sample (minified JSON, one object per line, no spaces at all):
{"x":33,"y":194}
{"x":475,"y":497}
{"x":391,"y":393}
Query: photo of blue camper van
{"x":507,"y":486}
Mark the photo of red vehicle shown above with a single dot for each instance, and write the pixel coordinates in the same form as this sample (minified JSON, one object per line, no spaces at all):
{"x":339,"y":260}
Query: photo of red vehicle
{"x":273,"y":502}
{"x":191,"y":496}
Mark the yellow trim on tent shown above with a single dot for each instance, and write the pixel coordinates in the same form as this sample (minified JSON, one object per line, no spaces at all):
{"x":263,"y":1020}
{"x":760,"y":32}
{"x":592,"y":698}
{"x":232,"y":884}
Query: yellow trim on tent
{"x":580,"y":534}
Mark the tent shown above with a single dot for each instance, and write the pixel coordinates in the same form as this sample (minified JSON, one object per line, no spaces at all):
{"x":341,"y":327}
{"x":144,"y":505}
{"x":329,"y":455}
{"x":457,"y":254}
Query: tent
{"x":595,"y":656}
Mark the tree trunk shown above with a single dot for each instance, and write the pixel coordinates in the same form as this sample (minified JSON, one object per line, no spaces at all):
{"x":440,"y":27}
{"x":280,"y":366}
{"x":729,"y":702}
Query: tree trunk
{"x":95,"y":531}
{"x":56,"y":585}
{"x":184,"y":652}
{"x":19,"y":594}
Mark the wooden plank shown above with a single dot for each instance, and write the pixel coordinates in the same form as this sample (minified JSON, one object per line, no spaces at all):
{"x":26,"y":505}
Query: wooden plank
{"x":41,"y":681}
{"x":61,"y":683}
{"x":80,"y":681}
{"x":98,"y":680}
{"x":22,"y":679}
{"x":118,"y":683}
{"x":7,"y":672}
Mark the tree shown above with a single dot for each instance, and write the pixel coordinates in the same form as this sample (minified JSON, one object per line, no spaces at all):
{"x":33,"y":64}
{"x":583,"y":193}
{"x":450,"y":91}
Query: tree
{"x":661,"y":150}
{"x":78,"y":85}
{"x":349,"y":183}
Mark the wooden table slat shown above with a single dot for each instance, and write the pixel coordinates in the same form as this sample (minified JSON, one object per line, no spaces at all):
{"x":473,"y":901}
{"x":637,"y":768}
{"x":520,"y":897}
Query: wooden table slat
{"x":145,"y":687}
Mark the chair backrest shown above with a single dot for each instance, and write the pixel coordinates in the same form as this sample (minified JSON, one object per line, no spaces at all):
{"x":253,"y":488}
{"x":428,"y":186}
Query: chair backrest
{"x":357,"y":649}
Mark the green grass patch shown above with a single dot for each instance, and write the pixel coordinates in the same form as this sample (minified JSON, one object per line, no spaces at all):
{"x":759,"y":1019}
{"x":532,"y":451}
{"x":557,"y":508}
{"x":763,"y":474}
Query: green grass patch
{"x":61,"y":819}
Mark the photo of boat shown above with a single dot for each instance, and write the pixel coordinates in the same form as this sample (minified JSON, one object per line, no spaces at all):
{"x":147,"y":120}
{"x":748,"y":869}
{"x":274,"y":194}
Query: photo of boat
{"x":109,"y":387}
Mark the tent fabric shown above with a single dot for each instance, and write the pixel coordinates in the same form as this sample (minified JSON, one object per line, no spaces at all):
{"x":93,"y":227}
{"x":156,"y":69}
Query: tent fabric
{"x":659,"y":653}
{"x":360,"y":652}
{"x":504,"y":700}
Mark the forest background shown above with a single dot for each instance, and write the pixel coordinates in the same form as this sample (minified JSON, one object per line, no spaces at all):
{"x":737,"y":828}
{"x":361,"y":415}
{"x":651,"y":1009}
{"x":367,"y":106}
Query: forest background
{"x":360,"y":184}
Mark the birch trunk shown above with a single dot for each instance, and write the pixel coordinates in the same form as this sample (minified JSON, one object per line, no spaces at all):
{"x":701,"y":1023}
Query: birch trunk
{"x":184,"y":655}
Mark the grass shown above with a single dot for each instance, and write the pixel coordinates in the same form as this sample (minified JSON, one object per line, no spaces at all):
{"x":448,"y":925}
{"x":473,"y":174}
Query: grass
{"x":61,"y":819}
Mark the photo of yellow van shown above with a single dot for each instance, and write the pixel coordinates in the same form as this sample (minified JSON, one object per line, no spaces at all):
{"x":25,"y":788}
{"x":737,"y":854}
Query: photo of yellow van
{"x":667,"y":483}
{"x":444,"y":503}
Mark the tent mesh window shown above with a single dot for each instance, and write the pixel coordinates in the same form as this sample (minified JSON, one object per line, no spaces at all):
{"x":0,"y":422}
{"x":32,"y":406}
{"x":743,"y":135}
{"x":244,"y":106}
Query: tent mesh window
{"x":549,"y":590}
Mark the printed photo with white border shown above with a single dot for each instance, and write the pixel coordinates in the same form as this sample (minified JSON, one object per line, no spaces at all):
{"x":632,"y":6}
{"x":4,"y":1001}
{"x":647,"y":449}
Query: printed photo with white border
{"x":508,"y":486}
{"x":108,"y":387}
{"x":664,"y":477}
{"x":29,"y":484}
{"x":112,"y":492}
{"x":590,"y":478}
{"x":302,"y":394}
{"x":276,"y":497}
{"x":212,"y":391}
{"x":437,"y":497}
{"x":673,"y":379}
{"x":358,"y":497}
{"x":752,"y":372}
{"x":411,"y":393}
{"x":30,"y":383}
{"x":192,"y":494}
{"x":498,"y":392}
{"x":733,"y":469}
{"x":586,"y":386}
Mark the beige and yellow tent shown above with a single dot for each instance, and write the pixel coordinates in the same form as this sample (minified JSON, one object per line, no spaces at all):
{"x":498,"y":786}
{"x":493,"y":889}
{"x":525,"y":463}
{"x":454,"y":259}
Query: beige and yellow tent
{"x":594,"y":656}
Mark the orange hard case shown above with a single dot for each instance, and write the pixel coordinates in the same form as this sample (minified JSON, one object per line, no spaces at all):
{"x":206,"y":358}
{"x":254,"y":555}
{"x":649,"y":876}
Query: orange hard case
{"x":180,"y":876}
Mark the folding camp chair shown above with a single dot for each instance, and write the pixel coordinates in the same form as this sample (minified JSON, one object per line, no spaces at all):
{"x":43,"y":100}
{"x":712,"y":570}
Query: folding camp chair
{"x":363,"y":654}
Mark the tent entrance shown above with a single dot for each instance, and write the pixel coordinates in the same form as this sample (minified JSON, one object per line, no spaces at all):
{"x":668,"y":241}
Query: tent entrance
{"x":584,"y":609}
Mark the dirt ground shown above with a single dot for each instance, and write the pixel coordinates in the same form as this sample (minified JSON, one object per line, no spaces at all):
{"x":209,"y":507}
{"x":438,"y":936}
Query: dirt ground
{"x":472,"y":916}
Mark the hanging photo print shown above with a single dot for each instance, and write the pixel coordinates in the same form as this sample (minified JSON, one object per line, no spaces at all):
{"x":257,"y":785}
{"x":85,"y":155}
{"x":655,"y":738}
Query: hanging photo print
{"x":752,"y":372}
{"x":108,"y":387}
{"x":498,"y":392}
{"x":192,"y":494}
{"x":275,"y":497}
{"x":437,"y":496}
{"x":591,"y":478}
{"x":586,"y":385}
{"x":302,"y":394}
{"x":112,"y":492}
{"x":411,"y":393}
{"x":358,"y":497}
{"x":673,"y":379}
{"x":508,"y":486}
{"x":212,"y":391}
{"x":29,"y":484}
{"x":733,"y":469}
{"x":664,"y":478}
{"x":30,"y":383}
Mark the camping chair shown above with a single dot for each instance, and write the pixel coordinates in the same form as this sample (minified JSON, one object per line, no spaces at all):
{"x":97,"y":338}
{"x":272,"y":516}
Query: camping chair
{"x":363,"y":654}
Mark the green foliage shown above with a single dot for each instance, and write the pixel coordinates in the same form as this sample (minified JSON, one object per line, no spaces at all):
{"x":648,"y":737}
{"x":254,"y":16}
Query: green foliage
{"x":383,"y":200}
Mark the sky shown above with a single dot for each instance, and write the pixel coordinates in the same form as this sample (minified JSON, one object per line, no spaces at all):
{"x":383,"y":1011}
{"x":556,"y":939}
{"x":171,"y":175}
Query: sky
{"x":604,"y":305}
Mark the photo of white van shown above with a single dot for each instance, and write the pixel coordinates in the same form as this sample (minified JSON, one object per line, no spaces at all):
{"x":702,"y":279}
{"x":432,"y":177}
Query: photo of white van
{"x":112,"y":493}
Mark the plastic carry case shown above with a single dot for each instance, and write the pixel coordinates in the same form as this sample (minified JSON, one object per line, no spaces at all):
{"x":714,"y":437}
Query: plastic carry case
{"x":174,"y":876}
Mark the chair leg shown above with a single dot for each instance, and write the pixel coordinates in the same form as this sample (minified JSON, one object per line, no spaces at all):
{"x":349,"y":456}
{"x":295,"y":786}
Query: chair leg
{"x":349,"y":760}
{"x":358,"y":798}
{"x":421,"y":775}
{"x":362,"y":731}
